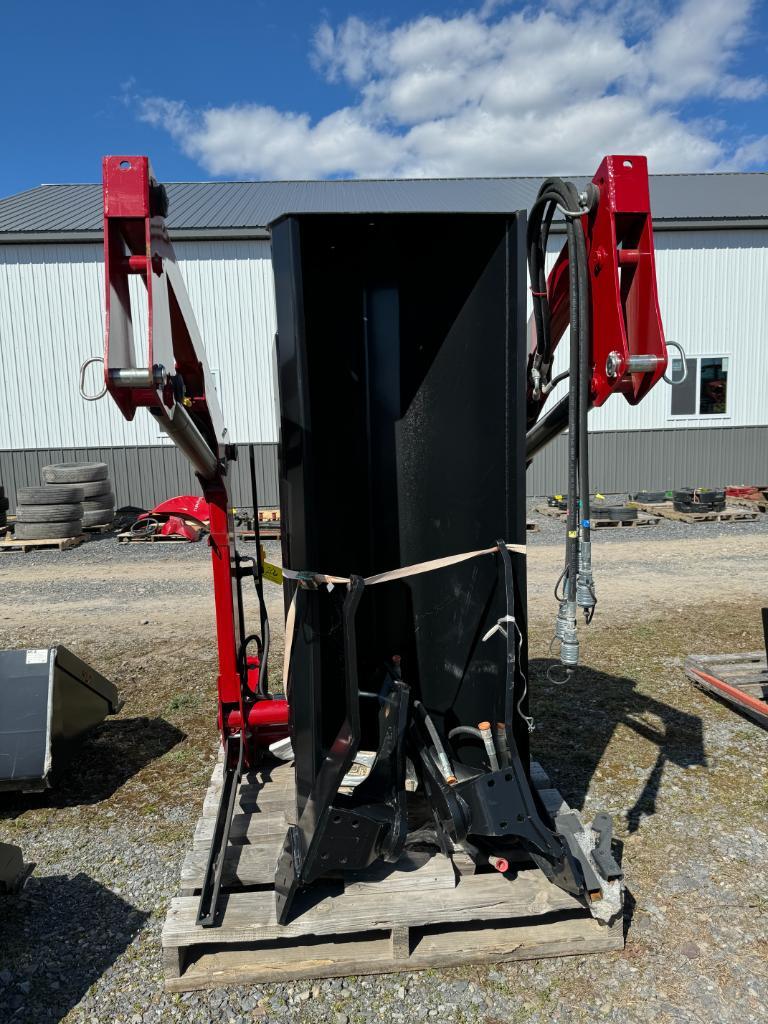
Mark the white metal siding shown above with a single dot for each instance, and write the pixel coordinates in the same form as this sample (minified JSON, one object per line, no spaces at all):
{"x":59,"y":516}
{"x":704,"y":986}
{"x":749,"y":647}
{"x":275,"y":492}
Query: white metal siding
{"x":51,"y":319}
{"x":713,"y":294}
{"x":713,"y":291}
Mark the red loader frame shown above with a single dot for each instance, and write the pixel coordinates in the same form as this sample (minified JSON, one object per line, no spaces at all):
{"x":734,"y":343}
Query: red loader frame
{"x":172,"y":380}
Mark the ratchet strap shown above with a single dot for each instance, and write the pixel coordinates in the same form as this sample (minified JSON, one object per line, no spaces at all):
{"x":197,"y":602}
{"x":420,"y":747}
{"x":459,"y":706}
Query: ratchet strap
{"x":313,"y":579}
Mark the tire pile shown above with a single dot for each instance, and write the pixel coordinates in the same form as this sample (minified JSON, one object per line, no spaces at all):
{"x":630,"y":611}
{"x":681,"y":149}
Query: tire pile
{"x":651,"y":497}
{"x":699,"y":499}
{"x":3,"y":508}
{"x":76,"y":495}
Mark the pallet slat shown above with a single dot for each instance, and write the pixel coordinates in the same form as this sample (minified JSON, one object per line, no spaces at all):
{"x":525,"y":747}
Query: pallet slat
{"x":350,"y":956}
{"x":250,"y":916}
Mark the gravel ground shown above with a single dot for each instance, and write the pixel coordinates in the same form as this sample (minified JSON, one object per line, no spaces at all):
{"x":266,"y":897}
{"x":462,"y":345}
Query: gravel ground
{"x":684,"y":777}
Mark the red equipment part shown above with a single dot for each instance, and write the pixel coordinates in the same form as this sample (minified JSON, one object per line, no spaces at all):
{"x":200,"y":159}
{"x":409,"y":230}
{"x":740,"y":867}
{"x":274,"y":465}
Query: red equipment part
{"x":172,"y":526}
{"x":170,"y":377}
{"x":187,"y":506}
{"x":629,"y":355}
{"x":757,"y":709}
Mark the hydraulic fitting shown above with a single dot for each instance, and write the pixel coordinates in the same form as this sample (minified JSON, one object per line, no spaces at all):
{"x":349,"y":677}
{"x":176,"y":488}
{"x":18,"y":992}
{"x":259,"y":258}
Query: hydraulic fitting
{"x":585,"y":583}
{"x":566,"y":633}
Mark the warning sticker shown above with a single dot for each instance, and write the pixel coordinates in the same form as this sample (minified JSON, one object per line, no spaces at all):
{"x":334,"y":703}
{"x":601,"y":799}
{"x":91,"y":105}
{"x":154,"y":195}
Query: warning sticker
{"x":273,"y":573}
{"x":37,"y":657}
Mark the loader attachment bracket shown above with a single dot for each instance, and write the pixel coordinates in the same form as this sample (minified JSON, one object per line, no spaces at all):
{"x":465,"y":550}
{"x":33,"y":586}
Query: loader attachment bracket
{"x":339,"y":832}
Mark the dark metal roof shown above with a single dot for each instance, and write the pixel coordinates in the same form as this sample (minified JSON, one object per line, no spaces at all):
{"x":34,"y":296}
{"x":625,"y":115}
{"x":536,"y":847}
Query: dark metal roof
{"x":237,"y":207}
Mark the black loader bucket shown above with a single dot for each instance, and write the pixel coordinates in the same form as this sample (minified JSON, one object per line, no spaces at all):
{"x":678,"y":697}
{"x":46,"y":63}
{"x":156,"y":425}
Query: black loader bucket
{"x":48,"y":699}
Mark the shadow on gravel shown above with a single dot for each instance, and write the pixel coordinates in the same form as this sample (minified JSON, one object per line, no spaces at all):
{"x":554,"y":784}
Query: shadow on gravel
{"x":575,"y":723}
{"x":57,"y":938}
{"x":107,"y":757}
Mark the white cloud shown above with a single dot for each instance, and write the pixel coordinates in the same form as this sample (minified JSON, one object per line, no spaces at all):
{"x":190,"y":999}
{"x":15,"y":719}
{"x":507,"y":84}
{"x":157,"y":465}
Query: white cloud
{"x":496,"y":91}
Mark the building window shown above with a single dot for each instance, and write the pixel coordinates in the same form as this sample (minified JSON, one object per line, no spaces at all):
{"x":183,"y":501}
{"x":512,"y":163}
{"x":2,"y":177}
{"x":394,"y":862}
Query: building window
{"x":704,"y":392}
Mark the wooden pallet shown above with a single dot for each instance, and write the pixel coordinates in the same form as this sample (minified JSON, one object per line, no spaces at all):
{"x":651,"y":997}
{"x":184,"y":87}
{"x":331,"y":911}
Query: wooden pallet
{"x":739,"y":679}
{"x":10,"y":543}
{"x":150,"y":538}
{"x":267,"y":531}
{"x":643,"y":518}
{"x":756,"y":505}
{"x":731,"y":513}
{"x":427,"y":910}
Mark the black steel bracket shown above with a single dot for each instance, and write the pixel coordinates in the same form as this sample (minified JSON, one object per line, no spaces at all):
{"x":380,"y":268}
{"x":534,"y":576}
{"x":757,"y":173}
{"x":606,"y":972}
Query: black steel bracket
{"x":233,"y":772}
{"x":337,"y":832}
{"x":602,"y":826}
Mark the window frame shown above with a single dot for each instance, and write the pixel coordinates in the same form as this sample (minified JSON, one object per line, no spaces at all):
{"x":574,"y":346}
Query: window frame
{"x":699,"y":356}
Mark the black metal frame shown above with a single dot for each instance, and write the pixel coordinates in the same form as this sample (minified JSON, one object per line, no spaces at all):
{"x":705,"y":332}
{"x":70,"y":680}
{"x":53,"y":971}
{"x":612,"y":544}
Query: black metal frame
{"x":402,"y":386}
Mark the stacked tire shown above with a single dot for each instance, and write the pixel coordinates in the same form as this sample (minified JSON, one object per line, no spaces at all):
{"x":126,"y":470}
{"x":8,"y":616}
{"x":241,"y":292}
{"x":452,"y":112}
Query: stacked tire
{"x":649,"y":497}
{"x":92,"y":478}
{"x":699,"y":499}
{"x":48,"y":513}
{"x":3,"y":509}
{"x":613,"y":513}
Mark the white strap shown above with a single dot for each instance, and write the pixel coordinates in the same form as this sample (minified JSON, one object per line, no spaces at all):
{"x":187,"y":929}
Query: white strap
{"x":499,"y":628}
{"x":398,"y":574}
{"x":382,"y":577}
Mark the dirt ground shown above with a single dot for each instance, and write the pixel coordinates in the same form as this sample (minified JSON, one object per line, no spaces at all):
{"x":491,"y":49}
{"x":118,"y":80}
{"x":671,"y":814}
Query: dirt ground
{"x":684,"y":777}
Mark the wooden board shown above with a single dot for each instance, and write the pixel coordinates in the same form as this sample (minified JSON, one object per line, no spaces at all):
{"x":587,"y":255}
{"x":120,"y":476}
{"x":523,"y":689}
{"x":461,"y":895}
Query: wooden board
{"x":418,"y":949}
{"x":10,"y":543}
{"x":731,"y":512}
{"x":739,"y":679}
{"x":267,"y":531}
{"x":423,"y":911}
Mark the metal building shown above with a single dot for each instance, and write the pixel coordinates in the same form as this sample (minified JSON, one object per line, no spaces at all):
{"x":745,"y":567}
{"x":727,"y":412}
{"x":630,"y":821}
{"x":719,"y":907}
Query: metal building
{"x":712,"y":265}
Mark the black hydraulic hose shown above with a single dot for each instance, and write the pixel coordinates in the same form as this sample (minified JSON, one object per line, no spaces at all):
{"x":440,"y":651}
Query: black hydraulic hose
{"x":572,"y":543}
{"x":547,"y":428}
{"x":264,"y":640}
{"x":553,"y":193}
{"x":585,"y":378}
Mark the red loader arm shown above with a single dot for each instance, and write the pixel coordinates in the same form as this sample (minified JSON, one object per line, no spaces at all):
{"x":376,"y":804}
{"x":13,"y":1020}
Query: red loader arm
{"x":169,"y":376}
{"x":629,"y":355}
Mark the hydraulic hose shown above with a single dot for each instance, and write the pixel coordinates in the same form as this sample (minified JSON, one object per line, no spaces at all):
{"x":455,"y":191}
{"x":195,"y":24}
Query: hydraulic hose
{"x":466,"y":730}
{"x":572,"y":543}
{"x":557,"y":194}
{"x":585,"y":380}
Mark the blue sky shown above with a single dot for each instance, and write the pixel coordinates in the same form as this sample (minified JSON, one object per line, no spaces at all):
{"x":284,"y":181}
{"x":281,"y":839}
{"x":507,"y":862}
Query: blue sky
{"x":266,"y":90}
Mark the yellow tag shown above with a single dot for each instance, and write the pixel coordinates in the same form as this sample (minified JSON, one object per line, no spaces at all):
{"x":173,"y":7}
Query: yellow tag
{"x":600,"y":497}
{"x":558,"y":497}
{"x":273,"y":573}
{"x":573,"y":533}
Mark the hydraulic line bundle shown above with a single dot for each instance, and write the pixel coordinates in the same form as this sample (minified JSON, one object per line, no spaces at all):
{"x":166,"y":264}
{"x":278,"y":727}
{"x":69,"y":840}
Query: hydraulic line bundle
{"x":409,"y":407}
